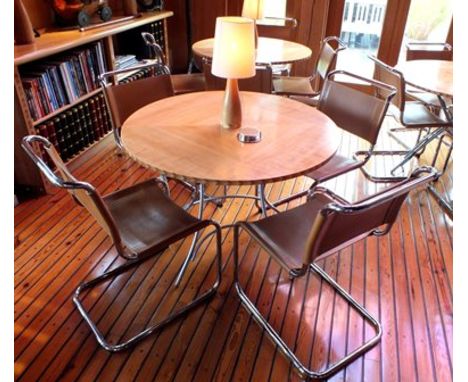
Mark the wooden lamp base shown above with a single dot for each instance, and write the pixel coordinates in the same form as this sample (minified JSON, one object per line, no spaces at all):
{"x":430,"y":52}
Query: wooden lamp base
{"x":231,"y":117}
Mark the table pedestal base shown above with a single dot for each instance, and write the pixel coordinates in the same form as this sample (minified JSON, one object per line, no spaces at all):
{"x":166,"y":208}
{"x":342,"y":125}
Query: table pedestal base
{"x":201,"y":198}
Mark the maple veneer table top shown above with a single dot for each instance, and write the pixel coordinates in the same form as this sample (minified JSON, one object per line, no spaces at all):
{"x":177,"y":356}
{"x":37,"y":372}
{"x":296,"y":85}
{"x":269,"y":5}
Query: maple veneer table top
{"x":430,"y":75}
{"x":270,"y":51}
{"x":181,"y":137}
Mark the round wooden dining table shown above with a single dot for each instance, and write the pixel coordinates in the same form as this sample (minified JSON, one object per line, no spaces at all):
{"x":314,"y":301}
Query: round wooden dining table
{"x":434,"y":76}
{"x":181,"y":137}
{"x":270,"y":51}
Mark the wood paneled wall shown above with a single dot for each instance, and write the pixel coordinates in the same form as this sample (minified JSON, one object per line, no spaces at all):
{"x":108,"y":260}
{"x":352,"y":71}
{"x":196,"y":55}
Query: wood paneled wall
{"x":311,"y":15}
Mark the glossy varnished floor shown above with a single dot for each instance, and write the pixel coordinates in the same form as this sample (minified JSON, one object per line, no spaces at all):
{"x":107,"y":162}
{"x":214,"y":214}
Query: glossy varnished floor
{"x":404,"y":278}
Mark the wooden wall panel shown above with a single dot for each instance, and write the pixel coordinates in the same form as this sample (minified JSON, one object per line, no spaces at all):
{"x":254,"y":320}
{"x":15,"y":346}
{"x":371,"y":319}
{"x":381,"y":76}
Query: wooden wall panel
{"x":311,"y":16}
{"x":40,"y":13}
{"x":335,"y":18}
{"x":177,"y":36}
{"x":393,"y":30}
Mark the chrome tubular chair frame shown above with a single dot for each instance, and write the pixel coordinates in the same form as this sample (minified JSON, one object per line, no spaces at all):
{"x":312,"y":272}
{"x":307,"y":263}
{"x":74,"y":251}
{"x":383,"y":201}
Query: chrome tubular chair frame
{"x":434,"y":129}
{"x":274,"y":336}
{"x":341,"y":206}
{"x":169,"y":319}
{"x":182,"y":83}
{"x":100,"y":209}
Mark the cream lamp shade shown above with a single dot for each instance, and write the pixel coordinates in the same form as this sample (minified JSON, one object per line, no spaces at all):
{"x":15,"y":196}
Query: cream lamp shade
{"x":253,"y":9}
{"x":234,"y":48}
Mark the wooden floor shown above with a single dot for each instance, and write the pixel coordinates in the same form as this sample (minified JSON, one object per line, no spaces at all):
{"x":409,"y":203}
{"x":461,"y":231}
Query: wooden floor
{"x":404,"y":279}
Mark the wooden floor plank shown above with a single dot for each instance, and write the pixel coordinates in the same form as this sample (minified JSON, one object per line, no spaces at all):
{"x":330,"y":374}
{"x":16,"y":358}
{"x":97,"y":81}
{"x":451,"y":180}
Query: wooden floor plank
{"x":404,"y":278}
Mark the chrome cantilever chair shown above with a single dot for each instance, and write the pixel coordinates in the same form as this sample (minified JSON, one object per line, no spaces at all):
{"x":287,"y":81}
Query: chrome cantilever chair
{"x":356,"y":112}
{"x":307,"y":89}
{"x":142,"y":222}
{"x":413,"y":115}
{"x":182,"y":83}
{"x":124,"y":99}
{"x":321,"y":226}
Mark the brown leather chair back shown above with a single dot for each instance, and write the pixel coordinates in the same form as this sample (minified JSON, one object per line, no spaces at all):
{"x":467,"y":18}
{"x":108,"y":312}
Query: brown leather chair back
{"x":429,"y":51}
{"x":338,"y":224}
{"x":391,"y":76}
{"x":327,"y":57}
{"x":83,"y":193}
{"x":262,"y":82}
{"x":356,"y":111}
{"x":125,"y":99}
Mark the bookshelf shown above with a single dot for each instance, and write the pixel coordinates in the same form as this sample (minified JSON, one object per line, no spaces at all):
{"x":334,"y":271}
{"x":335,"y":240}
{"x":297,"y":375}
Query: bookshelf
{"x":56,"y":89}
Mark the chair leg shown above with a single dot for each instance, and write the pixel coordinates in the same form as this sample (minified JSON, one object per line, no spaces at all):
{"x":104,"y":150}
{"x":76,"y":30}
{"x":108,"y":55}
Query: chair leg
{"x":421,"y":145}
{"x":300,"y":368}
{"x":148,"y":331}
{"x":279,"y":202}
{"x":380,"y":179}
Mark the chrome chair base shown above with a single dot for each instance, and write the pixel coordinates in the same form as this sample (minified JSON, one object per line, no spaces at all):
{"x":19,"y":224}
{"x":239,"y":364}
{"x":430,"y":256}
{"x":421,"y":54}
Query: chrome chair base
{"x":162,"y":323}
{"x":273,"y":335}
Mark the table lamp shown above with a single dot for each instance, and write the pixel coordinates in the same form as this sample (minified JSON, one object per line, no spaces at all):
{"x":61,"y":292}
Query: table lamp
{"x":233,"y":59}
{"x":253,"y":9}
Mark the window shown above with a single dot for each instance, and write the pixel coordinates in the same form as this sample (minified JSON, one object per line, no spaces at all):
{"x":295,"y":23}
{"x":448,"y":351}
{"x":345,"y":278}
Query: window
{"x":369,"y":15}
{"x":428,"y":20}
{"x":354,"y":12}
{"x":346,"y":12}
{"x":273,"y":9}
{"x":362,"y":35}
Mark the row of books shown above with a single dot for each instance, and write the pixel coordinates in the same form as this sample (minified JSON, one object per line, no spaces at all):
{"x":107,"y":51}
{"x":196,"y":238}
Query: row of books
{"x":125,"y":61}
{"x":139,"y":74}
{"x":53,"y":83}
{"x":75,"y":129}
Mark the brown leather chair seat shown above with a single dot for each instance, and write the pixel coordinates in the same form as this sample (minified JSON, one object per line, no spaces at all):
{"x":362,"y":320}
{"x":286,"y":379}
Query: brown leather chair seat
{"x":311,"y":101}
{"x":284,"y":234}
{"x":146,"y":218}
{"x":187,"y":83}
{"x":338,"y":164}
{"x":299,"y":86}
{"x":302,"y":86}
{"x":416,"y":113}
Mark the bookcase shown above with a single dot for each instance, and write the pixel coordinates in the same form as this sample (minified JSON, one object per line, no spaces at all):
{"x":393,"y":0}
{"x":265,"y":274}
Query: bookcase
{"x":57,"y":93}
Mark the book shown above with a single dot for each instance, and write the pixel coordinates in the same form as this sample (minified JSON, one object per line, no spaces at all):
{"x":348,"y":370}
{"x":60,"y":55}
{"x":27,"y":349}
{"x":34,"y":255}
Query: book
{"x":66,"y":124}
{"x":84,"y":125}
{"x":107,"y":126}
{"x":60,"y":137}
{"x":42,"y":130}
{"x":89,"y":122}
{"x":52,"y":134}
{"x":71,"y":135}
{"x":94,"y":119}
{"x":55,"y":82}
{"x":78,"y":135}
